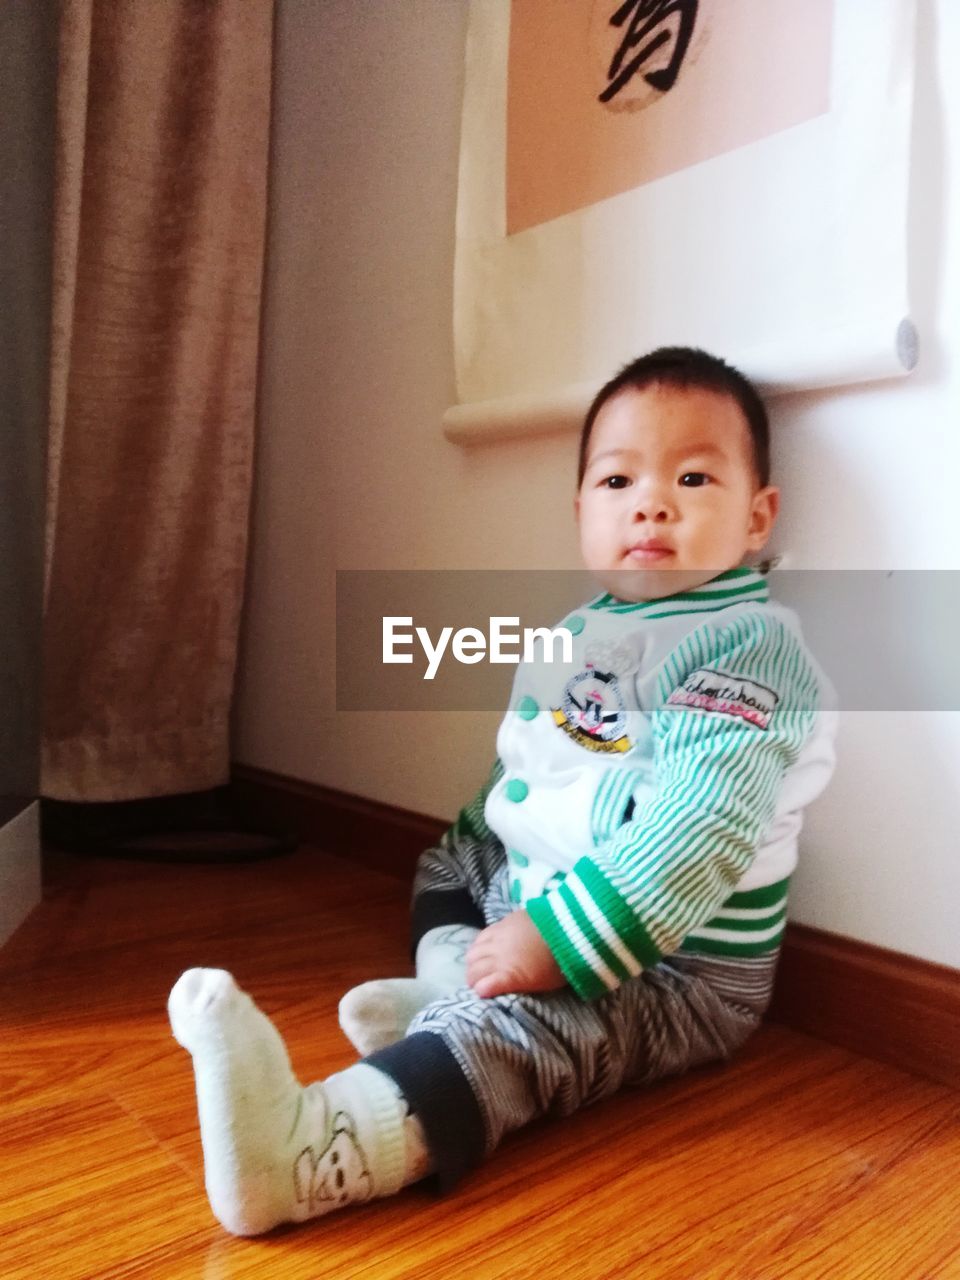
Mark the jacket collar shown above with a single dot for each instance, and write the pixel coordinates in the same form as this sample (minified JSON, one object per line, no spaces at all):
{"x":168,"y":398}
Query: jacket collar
{"x":734,"y":586}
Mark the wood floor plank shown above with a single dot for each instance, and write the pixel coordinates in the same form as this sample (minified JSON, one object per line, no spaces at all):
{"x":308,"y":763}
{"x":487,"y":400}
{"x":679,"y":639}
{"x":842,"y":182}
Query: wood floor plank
{"x":797,"y":1161}
{"x":73,"y":1177}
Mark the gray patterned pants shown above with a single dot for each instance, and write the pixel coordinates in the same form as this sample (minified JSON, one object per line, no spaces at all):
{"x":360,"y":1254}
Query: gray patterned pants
{"x":474,"y":1069}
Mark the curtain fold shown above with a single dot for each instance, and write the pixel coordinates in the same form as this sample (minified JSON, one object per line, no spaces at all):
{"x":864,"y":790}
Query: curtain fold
{"x":160,"y":208}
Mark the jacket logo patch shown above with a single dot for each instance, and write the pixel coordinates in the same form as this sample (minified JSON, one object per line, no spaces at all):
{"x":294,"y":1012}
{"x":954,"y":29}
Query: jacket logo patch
{"x":592,"y":712}
{"x":728,"y":695}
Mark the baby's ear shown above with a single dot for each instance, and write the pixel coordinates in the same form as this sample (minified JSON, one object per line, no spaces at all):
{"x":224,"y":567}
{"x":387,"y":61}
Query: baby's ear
{"x":343,"y":1123}
{"x":763,"y":514}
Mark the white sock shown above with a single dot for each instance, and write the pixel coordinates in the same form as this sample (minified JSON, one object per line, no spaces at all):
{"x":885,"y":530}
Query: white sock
{"x":378,"y":1013}
{"x":275,"y":1151}
{"x":442,"y":955}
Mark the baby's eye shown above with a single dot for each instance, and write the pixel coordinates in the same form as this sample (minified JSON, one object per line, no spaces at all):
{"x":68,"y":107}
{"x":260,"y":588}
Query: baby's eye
{"x":615,"y":482}
{"x":693,"y":479}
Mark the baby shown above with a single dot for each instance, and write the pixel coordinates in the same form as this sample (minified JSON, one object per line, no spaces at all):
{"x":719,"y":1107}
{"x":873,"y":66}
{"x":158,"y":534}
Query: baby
{"x":609,"y":910}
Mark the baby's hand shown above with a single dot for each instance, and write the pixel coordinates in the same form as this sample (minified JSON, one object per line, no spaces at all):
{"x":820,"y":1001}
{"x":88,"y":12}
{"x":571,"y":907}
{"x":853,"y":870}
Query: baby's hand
{"x":511,"y":957}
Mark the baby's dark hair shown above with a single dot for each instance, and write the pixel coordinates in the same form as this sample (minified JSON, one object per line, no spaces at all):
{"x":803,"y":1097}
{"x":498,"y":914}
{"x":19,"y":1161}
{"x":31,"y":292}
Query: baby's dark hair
{"x":685,"y":368}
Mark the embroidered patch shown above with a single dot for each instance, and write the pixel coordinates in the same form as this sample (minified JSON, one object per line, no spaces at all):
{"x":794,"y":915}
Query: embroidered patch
{"x":592,"y":712}
{"x":725,"y":694}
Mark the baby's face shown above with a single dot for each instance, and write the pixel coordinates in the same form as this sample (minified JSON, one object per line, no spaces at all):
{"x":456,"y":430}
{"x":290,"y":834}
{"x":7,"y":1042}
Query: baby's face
{"x":669,"y":497}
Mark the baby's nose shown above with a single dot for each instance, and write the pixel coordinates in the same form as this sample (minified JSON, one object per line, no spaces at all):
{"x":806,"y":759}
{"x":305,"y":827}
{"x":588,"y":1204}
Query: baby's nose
{"x":655,"y":507}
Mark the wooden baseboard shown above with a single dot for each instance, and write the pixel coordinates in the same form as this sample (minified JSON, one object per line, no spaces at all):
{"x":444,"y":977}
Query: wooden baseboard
{"x":377,"y":835}
{"x":878,"y":1003}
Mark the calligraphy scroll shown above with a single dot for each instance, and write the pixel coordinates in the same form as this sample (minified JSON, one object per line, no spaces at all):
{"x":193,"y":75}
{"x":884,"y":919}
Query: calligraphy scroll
{"x":731,"y":174}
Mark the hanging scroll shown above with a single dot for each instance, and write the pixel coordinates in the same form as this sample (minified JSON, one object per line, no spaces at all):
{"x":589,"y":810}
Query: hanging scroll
{"x":731,"y":174}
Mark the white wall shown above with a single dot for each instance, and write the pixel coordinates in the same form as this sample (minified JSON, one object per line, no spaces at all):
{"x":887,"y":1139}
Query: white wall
{"x":353,"y":472}
{"x":20,"y":887}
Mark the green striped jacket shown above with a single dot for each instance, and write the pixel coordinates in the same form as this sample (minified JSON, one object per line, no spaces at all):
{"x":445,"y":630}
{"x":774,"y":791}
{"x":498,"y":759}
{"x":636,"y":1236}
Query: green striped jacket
{"x":650,"y":793}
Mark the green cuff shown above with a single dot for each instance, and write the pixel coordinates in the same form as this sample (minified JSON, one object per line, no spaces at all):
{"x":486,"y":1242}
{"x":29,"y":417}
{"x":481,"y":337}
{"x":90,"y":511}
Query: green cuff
{"x":575,"y":969}
{"x":618,"y":914}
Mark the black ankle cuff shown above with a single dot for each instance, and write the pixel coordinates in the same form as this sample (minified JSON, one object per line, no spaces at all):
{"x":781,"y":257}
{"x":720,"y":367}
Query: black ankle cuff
{"x":438,"y":1093}
{"x":437,"y":907}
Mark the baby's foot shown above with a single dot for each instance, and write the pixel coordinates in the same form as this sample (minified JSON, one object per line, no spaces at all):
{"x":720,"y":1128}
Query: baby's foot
{"x":378,"y":1013}
{"x":275,"y":1151}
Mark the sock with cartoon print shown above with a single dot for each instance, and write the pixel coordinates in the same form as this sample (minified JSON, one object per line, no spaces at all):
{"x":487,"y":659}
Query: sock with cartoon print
{"x":376,"y":1014}
{"x":273,"y":1150}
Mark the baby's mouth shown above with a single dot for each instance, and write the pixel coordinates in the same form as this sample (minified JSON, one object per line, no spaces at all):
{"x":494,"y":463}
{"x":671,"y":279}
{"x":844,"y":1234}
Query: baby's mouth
{"x":649,"y":553}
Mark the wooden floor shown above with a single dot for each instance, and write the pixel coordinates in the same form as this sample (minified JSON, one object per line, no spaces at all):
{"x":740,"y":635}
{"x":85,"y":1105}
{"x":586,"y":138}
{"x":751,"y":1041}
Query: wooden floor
{"x":798,"y":1160}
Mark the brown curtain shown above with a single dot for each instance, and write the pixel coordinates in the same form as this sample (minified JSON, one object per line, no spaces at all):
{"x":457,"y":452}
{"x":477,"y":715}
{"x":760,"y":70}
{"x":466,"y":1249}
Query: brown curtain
{"x":162,"y":136}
